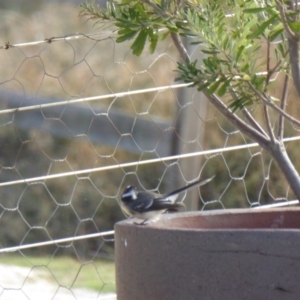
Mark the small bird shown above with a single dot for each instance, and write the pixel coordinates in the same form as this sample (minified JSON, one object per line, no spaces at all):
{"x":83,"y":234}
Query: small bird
{"x":149,"y":205}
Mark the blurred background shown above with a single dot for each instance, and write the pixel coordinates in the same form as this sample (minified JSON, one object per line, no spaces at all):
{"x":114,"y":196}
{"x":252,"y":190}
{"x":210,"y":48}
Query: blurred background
{"x":80,"y":61}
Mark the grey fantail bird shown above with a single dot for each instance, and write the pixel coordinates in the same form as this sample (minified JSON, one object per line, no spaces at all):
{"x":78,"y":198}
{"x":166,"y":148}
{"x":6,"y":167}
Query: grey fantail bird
{"x":150,"y":205}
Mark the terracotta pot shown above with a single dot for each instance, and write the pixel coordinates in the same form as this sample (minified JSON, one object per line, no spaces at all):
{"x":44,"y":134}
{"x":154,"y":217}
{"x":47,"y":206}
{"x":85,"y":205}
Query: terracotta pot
{"x":227,"y":254}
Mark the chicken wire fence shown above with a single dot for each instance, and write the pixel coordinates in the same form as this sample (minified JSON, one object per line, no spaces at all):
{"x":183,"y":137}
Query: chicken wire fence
{"x":81,"y":118}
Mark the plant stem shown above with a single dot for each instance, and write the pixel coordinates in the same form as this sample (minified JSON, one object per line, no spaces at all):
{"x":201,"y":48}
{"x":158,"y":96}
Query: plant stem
{"x":293,"y":41}
{"x":282,"y":106}
{"x":180,"y":47}
{"x":252,"y":133}
{"x":294,"y":59}
{"x":268,"y":123}
{"x":280,"y":155}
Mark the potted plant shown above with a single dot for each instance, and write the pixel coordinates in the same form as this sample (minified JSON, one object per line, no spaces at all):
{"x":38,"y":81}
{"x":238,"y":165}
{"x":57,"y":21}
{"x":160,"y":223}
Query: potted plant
{"x":249,"y":47}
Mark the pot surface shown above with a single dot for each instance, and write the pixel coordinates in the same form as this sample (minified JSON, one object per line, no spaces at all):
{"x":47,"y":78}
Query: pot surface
{"x":227,"y":254}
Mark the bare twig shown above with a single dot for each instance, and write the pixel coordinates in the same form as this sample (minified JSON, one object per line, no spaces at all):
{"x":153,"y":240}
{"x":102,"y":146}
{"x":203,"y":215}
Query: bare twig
{"x":268,"y":122}
{"x":265,"y":108}
{"x":283,"y":113}
{"x":275,"y":68}
{"x":248,"y":130}
{"x":268,"y":63}
{"x":294,"y":60}
{"x":247,"y":114}
{"x":293,"y":41}
{"x":180,"y":47}
{"x":252,"y":121}
{"x":289,"y":32}
{"x":282,"y":106}
{"x":267,"y":101}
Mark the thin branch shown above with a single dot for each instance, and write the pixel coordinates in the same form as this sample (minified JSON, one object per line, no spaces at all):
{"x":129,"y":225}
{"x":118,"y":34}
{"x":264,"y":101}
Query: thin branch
{"x":180,"y":47}
{"x":294,"y":60}
{"x":252,"y":121}
{"x":283,"y":113}
{"x":265,"y":108}
{"x":290,"y":33}
{"x":268,"y":122}
{"x":180,"y":3}
{"x":268,"y":63}
{"x":248,"y":115}
{"x":293,"y":41}
{"x":282,"y":106}
{"x":275,"y":68}
{"x":294,"y":52}
{"x":267,"y":101}
{"x":251,"y":132}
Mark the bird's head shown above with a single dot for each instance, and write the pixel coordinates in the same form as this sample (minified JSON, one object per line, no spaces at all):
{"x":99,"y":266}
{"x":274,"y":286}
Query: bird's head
{"x":129,"y":193}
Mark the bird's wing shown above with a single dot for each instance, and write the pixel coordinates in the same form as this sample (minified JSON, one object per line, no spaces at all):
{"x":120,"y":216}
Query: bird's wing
{"x":163,"y":203}
{"x":158,"y":199}
{"x":149,"y":195}
{"x":142,"y":205}
{"x":152,"y":195}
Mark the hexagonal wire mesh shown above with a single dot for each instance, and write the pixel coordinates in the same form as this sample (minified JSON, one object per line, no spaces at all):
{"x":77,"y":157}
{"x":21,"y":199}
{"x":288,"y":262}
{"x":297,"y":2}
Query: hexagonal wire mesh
{"x":80,"y":119}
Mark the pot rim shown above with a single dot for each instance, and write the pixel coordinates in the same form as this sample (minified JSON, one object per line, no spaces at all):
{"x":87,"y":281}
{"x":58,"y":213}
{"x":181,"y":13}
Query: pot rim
{"x":283,"y":219}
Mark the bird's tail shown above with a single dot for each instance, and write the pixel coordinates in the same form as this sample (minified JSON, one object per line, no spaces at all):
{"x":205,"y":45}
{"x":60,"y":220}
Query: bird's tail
{"x":199,"y":183}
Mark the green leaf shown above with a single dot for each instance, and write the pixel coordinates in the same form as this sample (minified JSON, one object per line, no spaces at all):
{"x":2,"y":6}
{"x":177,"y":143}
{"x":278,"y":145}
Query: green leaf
{"x":262,"y":27}
{"x":281,"y":49}
{"x":254,"y":10}
{"x":236,"y":104}
{"x":188,"y":34}
{"x":222,"y":90}
{"x":125,"y":37}
{"x":240,"y":103}
{"x":210,"y":51}
{"x":225,"y":42}
{"x":122,"y":23}
{"x":141,"y":9}
{"x":239,"y":53}
{"x":196,"y":43}
{"x":164,"y":35}
{"x":124,"y":2}
{"x":248,"y":27}
{"x":276,"y":31}
{"x":212,"y":88}
{"x":295,"y":26}
{"x":203,"y":86}
{"x":258,"y":81}
{"x":153,"y":42}
{"x":125,"y":31}
{"x":245,"y":67}
{"x":139,"y":43}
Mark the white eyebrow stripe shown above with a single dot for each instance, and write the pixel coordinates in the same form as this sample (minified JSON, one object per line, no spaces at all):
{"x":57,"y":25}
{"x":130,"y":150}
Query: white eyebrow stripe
{"x":130,"y":193}
{"x":127,"y":194}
